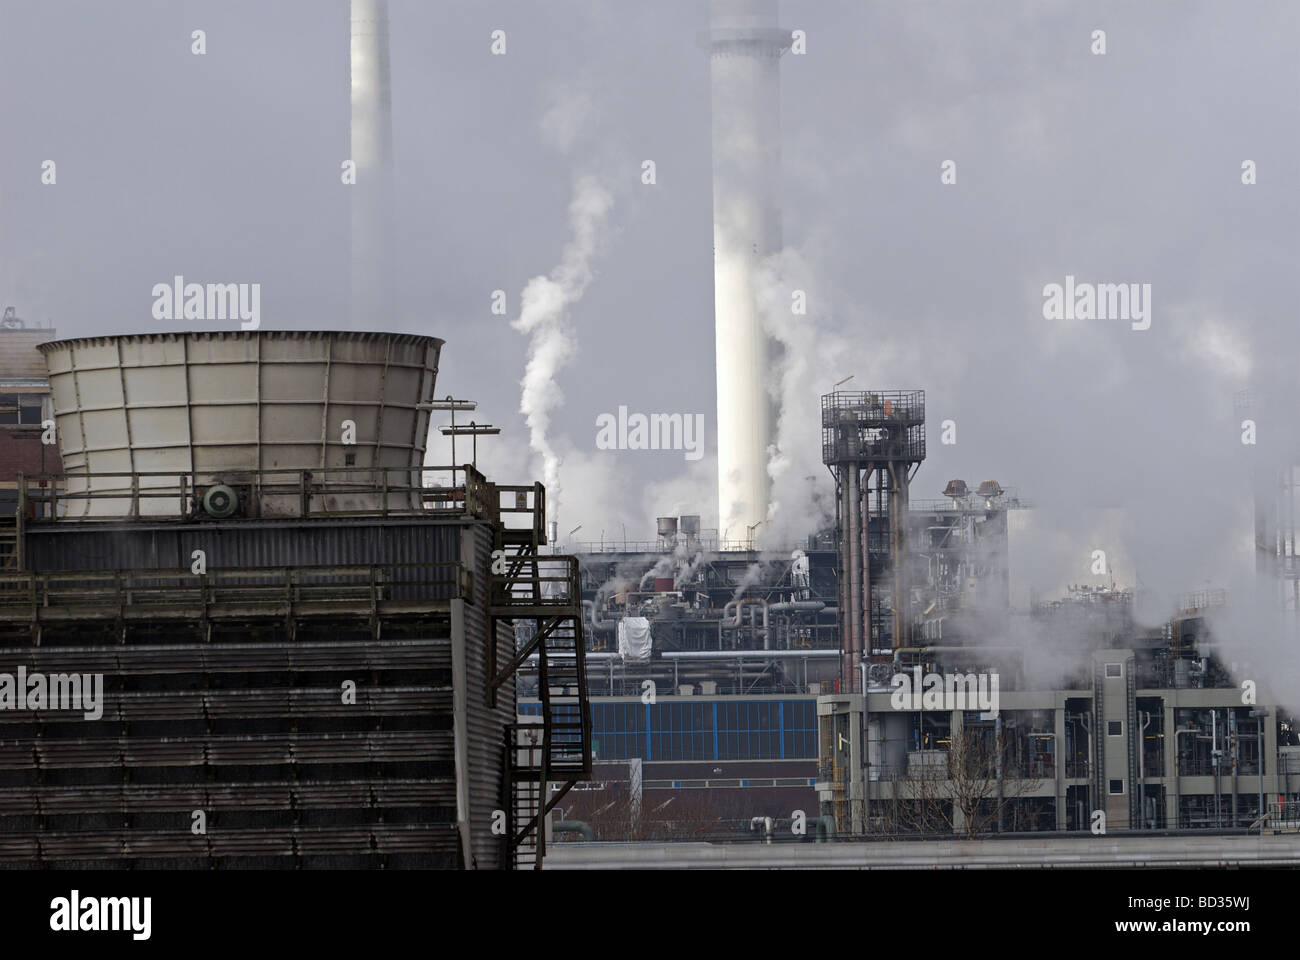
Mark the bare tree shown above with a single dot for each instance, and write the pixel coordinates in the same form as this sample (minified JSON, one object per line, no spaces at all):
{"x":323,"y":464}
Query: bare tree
{"x":963,"y":789}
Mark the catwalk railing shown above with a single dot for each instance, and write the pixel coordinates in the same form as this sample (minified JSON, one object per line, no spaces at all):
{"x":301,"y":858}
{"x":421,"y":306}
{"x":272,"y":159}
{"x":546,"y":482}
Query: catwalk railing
{"x":295,"y":493}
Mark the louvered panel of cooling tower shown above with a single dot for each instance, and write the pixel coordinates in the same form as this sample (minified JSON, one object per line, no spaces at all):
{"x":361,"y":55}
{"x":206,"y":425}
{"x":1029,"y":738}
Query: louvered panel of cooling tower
{"x":256,"y":735}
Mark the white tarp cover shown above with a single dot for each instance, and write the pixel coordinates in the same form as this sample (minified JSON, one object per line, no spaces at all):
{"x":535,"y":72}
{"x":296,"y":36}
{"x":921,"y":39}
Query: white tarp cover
{"x":634,"y":638}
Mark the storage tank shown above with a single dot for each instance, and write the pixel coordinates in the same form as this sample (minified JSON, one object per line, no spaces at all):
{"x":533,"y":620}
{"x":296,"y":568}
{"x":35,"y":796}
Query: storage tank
{"x":261,"y":412}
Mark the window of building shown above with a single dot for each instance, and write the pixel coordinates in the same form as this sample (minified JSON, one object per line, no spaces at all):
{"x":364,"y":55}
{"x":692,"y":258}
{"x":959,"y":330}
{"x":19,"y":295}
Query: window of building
{"x":1117,"y":786}
{"x":1115,"y":728}
{"x":684,"y":728}
{"x":20,"y":408}
{"x":1114,"y":670}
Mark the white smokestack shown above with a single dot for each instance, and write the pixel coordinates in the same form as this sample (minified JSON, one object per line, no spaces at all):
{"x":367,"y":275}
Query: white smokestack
{"x":372,"y":151}
{"x":745,"y":46}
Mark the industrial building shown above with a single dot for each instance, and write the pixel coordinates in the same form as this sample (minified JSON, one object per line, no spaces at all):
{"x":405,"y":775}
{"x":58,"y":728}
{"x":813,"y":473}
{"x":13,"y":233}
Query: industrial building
{"x":304,"y":635}
{"x":24,"y":409}
{"x":734,"y":690}
{"x":317,"y":650}
{"x":776,"y":677}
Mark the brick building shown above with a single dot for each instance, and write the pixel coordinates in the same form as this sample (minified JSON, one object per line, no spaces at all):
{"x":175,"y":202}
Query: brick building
{"x":24,"y":405}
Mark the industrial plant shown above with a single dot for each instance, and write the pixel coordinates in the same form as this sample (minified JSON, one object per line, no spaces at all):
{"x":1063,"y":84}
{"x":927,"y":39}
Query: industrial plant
{"x":248,"y":619}
{"x":777,"y":677}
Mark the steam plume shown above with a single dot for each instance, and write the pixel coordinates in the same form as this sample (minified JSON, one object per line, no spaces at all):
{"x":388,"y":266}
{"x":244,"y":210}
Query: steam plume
{"x":544,"y":317}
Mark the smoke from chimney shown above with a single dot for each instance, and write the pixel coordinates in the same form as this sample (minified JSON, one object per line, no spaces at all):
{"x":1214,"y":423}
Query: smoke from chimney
{"x":543,"y":316}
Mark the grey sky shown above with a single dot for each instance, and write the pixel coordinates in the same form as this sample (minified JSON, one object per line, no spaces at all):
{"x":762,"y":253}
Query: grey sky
{"x":1117,"y":168}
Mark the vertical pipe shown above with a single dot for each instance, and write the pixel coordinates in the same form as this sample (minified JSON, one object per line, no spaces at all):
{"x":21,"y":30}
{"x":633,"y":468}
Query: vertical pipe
{"x":745,"y":47}
{"x":1142,"y":770}
{"x":845,"y":616}
{"x":898,"y":553}
{"x":1259,"y":763}
{"x":372,"y":152}
{"x":1214,"y":759}
{"x":855,"y":574}
{"x":1233,"y":741}
{"x":864,"y":508}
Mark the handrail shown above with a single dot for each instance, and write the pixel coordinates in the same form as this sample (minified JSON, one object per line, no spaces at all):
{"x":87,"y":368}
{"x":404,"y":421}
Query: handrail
{"x":44,"y":497}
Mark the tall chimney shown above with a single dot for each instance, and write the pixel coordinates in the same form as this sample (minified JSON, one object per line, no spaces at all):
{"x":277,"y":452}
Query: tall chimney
{"x":372,"y":151}
{"x":745,"y":47}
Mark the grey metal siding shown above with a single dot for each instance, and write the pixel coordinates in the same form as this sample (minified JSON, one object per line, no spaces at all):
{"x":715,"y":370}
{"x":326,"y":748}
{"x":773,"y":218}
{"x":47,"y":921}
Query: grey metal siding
{"x":486,"y":725}
{"x":251,"y":728}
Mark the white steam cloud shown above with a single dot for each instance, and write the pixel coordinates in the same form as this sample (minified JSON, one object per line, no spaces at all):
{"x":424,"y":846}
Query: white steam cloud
{"x":544,"y":317}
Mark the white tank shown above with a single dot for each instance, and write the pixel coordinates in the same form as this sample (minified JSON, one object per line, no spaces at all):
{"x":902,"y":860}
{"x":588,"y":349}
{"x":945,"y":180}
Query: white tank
{"x":227,"y":407}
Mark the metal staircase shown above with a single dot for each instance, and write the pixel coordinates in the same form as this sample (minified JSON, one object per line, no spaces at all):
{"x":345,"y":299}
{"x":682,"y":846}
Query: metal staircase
{"x":545,"y":589}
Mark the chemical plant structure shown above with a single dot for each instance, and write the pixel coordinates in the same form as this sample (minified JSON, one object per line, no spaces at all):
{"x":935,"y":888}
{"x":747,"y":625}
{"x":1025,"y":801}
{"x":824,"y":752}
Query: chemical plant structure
{"x":738,"y":692}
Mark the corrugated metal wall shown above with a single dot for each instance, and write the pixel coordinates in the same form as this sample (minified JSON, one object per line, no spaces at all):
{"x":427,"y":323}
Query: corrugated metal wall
{"x":486,"y":725}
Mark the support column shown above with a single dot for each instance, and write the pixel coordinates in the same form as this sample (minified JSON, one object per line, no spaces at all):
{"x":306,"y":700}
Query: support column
{"x":854,"y":498}
{"x":898,"y":511}
{"x":1058,"y":726}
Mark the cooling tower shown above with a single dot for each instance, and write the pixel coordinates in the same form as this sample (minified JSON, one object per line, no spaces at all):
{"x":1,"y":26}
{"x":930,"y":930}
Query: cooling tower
{"x":372,"y":152}
{"x":745,"y":47}
{"x":207,"y":408}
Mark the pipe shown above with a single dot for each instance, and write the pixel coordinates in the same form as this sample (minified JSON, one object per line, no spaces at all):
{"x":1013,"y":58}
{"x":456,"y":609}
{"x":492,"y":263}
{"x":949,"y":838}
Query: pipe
{"x":601,"y":626}
{"x":1235,"y":743}
{"x":797,"y":606}
{"x":575,"y":826}
{"x":745,"y":654}
{"x":734,"y":622}
{"x":1214,"y":757}
{"x":856,"y":618}
{"x":588,"y":655}
{"x":956,"y":649}
{"x":865,"y":645}
{"x":898,"y":514}
{"x":1142,"y":772}
{"x":1086,"y":721}
{"x":825,"y":829}
{"x":1259,"y":762}
{"x":844,"y":592}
